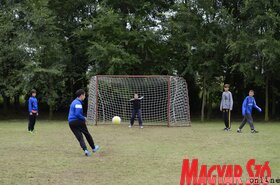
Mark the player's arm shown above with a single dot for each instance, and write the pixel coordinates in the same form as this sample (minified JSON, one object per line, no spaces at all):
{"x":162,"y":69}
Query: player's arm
{"x":79,"y":112}
{"x":30,"y":106}
{"x":231,"y":101}
{"x":141,"y":98}
{"x":221,"y":104}
{"x":256,"y":107}
{"x":244,"y":106}
{"x":37,"y":107}
{"x":131,"y":99}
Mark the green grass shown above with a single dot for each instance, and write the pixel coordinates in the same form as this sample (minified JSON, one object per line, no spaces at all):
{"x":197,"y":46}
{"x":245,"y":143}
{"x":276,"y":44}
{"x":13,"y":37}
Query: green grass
{"x":128,"y":156}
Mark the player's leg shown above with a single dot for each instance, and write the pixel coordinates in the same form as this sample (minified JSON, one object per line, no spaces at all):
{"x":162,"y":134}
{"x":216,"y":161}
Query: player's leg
{"x":84,"y":130}
{"x":34,"y":121}
{"x":225,"y":116}
{"x":74,"y":126}
{"x":132,"y":117}
{"x":229,"y":119}
{"x":139,"y":115}
{"x":250,"y":121}
{"x":30,"y":120}
{"x":242,"y":124}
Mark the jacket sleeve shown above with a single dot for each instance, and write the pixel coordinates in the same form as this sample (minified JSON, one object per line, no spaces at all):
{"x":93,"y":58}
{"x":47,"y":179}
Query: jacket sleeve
{"x":79,"y":112}
{"x":37,"y":105}
{"x":30,"y":105}
{"x":231,"y":102}
{"x":244,"y":106}
{"x":256,"y":107}
{"x":221,"y":104}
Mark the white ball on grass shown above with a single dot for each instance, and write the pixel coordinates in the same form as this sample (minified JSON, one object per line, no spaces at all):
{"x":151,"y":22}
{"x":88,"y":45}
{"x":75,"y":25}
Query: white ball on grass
{"x":116,"y":120}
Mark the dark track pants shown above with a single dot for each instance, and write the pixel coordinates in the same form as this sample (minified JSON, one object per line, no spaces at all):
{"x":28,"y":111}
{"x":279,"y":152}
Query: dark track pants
{"x":79,"y":128}
{"x":138,"y":113}
{"x":247,"y":118}
{"x":226,"y":116}
{"x":32,"y":121}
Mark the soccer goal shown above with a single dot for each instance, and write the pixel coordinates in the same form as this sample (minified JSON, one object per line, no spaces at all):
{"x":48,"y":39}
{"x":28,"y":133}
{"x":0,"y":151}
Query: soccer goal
{"x":166,"y":100}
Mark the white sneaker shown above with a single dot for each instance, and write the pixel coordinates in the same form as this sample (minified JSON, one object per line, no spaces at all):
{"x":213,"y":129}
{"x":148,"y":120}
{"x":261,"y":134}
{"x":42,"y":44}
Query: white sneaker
{"x":87,"y":153}
{"x":141,"y":127}
{"x":96,"y":149}
{"x":129,"y":126}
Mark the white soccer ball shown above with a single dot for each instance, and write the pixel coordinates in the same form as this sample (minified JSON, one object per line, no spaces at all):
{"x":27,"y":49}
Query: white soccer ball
{"x":116,"y":120}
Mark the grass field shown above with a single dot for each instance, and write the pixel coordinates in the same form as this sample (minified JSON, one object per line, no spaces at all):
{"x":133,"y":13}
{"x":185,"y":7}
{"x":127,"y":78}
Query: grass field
{"x":128,"y":156}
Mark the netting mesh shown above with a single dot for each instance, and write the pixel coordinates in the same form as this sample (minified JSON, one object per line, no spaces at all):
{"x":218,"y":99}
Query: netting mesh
{"x":165,"y":99}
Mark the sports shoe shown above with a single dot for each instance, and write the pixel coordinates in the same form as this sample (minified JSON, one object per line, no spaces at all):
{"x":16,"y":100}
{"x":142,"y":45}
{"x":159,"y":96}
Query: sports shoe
{"x":141,"y":127}
{"x":238,"y":131}
{"x":96,"y":148}
{"x":87,"y":153}
{"x":129,"y":126}
{"x":254,"y":131}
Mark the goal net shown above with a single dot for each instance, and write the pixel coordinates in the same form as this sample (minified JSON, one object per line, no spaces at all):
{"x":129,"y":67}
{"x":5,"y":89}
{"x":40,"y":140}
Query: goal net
{"x":165,"y":101}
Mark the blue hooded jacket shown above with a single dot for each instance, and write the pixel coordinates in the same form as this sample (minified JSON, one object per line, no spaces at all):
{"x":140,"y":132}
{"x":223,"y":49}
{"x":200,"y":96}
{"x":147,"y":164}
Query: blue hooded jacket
{"x":248,"y":104}
{"x":32,"y":104}
{"x":76,"y":111}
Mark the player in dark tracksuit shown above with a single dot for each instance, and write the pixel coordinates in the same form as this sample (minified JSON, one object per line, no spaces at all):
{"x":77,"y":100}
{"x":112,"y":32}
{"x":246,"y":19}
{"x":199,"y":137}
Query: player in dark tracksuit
{"x":33,"y":110}
{"x":77,"y":123}
{"x":136,"y":110}
{"x":248,"y":104}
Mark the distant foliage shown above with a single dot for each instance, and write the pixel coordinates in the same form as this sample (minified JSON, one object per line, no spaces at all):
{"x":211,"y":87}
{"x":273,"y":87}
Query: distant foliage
{"x":55,"y":46}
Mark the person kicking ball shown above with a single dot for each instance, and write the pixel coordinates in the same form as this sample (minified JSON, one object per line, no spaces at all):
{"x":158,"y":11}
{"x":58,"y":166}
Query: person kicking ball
{"x":77,"y":123}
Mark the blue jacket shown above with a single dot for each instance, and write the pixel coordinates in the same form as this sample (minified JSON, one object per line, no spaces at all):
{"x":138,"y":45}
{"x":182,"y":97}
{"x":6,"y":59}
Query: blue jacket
{"x":76,"y":111}
{"x":248,"y":104}
{"x":32,"y":104}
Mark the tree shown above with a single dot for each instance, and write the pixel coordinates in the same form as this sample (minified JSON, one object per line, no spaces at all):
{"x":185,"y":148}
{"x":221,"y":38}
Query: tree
{"x":125,"y":40}
{"x":198,"y":40}
{"x":257,"y":43}
{"x":44,"y":69}
{"x":12,"y":54}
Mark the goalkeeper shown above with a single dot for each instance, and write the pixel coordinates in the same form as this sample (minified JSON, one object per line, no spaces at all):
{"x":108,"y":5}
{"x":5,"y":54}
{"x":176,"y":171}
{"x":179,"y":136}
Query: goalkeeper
{"x":136,"y":109}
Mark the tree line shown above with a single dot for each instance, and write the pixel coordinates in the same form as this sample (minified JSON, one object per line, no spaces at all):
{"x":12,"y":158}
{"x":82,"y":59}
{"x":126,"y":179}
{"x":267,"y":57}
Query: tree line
{"x":55,"y":46}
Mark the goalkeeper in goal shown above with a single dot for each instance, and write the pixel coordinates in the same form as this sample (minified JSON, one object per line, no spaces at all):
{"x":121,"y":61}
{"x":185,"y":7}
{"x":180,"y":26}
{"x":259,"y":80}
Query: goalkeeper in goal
{"x":136,"y":110}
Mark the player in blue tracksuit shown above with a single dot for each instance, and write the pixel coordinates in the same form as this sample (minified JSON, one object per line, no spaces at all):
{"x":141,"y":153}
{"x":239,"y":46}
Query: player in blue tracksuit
{"x":77,"y":123}
{"x":248,"y":104}
{"x":33,"y":110}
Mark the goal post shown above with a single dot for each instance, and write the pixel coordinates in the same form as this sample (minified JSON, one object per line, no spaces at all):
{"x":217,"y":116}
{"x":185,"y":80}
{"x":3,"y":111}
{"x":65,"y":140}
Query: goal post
{"x":165,"y":102}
